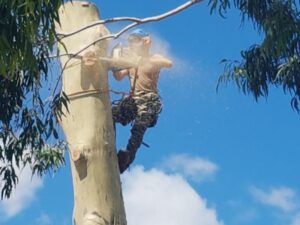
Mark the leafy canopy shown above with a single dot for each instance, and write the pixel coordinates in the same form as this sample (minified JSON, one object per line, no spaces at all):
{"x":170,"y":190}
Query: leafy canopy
{"x":276,"y":60}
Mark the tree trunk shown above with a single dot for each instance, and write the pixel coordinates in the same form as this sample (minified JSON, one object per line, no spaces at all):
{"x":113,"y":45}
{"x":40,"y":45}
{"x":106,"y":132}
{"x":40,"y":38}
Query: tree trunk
{"x":88,"y":126}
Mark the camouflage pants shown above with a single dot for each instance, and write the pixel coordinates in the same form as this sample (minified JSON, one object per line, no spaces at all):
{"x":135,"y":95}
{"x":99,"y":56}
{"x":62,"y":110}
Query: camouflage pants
{"x":143,"y":110}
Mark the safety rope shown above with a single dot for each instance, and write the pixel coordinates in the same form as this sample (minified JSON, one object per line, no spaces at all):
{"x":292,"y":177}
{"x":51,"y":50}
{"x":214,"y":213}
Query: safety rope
{"x":87,"y":92}
{"x":96,"y":91}
{"x":134,"y":81}
{"x":119,"y":92}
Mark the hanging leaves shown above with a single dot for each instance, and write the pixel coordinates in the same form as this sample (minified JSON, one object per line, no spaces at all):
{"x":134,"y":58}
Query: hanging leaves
{"x":276,"y":60}
{"x":28,"y":131}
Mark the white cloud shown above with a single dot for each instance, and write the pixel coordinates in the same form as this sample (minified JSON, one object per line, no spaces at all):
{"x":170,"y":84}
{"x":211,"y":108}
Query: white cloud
{"x":22,"y":196}
{"x":296,"y":219}
{"x":282,"y":198}
{"x":193,"y":167}
{"x":153,"y":197}
{"x":44,"y":219}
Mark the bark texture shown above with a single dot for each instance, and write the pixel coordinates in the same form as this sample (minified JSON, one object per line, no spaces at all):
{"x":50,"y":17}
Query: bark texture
{"x":88,"y":126}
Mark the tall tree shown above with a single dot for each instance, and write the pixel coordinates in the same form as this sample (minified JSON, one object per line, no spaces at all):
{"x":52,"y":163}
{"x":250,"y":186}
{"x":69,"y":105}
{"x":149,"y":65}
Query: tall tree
{"x":276,"y":60}
{"x":87,"y":122}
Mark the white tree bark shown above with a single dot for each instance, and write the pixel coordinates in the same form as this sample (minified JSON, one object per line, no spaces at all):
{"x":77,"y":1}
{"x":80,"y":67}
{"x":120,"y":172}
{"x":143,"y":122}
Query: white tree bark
{"x":88,"y":126}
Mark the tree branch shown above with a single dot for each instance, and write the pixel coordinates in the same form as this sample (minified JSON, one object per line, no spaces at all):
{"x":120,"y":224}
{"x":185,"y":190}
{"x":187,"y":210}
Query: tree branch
{"x":135,"y":20}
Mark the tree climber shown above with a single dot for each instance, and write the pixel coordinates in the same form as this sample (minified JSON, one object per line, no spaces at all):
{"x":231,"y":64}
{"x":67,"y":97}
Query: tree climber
{"x":143,"y":105}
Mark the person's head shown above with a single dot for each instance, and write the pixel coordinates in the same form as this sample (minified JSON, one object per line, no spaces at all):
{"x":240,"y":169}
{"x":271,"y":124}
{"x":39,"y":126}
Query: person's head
{"x":139,"y":41}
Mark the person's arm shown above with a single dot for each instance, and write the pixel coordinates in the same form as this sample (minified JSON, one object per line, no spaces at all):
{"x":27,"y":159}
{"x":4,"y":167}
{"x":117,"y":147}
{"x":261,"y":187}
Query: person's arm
{"x":120,"y":74}
{"x":161,"y":61}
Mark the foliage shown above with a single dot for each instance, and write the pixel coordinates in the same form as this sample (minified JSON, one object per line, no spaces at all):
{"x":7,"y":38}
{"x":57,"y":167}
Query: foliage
{"x":275,"y":61}
{"x":27,"y":122}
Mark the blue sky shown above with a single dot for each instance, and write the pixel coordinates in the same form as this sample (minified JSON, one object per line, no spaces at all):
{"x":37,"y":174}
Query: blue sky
{"x":215,"y":158}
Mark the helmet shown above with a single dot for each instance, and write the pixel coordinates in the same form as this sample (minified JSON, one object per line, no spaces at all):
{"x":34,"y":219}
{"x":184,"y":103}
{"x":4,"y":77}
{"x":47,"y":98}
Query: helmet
{"x":139,"y":33}
{"x":137,"y":38}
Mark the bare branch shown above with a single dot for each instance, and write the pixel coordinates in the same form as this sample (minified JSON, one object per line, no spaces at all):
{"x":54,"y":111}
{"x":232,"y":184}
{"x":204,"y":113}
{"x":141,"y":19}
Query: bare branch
{"x":135,"y":20}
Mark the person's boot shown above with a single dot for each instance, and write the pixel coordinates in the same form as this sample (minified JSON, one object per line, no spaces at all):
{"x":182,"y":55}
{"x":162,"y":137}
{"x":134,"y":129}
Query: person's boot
{"x":125,"y":158}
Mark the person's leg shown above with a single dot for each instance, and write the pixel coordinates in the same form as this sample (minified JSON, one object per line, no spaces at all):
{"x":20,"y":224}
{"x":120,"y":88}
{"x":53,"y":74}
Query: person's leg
{"x":125,"y":111}
{"x":127,"y":156}
{"x":148,"y":109}
{"x":137,"y":133}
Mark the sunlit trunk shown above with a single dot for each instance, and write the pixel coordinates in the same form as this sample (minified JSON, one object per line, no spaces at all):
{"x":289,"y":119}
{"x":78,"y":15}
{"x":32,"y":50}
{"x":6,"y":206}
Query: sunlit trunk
{"x":88,"y":126}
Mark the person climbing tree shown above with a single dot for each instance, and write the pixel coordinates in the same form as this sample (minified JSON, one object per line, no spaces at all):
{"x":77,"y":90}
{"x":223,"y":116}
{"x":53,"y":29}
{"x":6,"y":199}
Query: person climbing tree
{"x":143,"y":105}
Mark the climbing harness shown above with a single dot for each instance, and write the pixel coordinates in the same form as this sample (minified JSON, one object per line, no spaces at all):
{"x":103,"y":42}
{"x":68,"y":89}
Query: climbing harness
{"x":135,"y":77}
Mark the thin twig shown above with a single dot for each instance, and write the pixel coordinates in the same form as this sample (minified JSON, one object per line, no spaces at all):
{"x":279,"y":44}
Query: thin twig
{"x":132,"y":19}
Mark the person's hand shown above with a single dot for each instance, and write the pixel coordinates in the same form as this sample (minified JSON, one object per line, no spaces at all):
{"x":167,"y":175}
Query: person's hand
{"x":89,"y":58}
